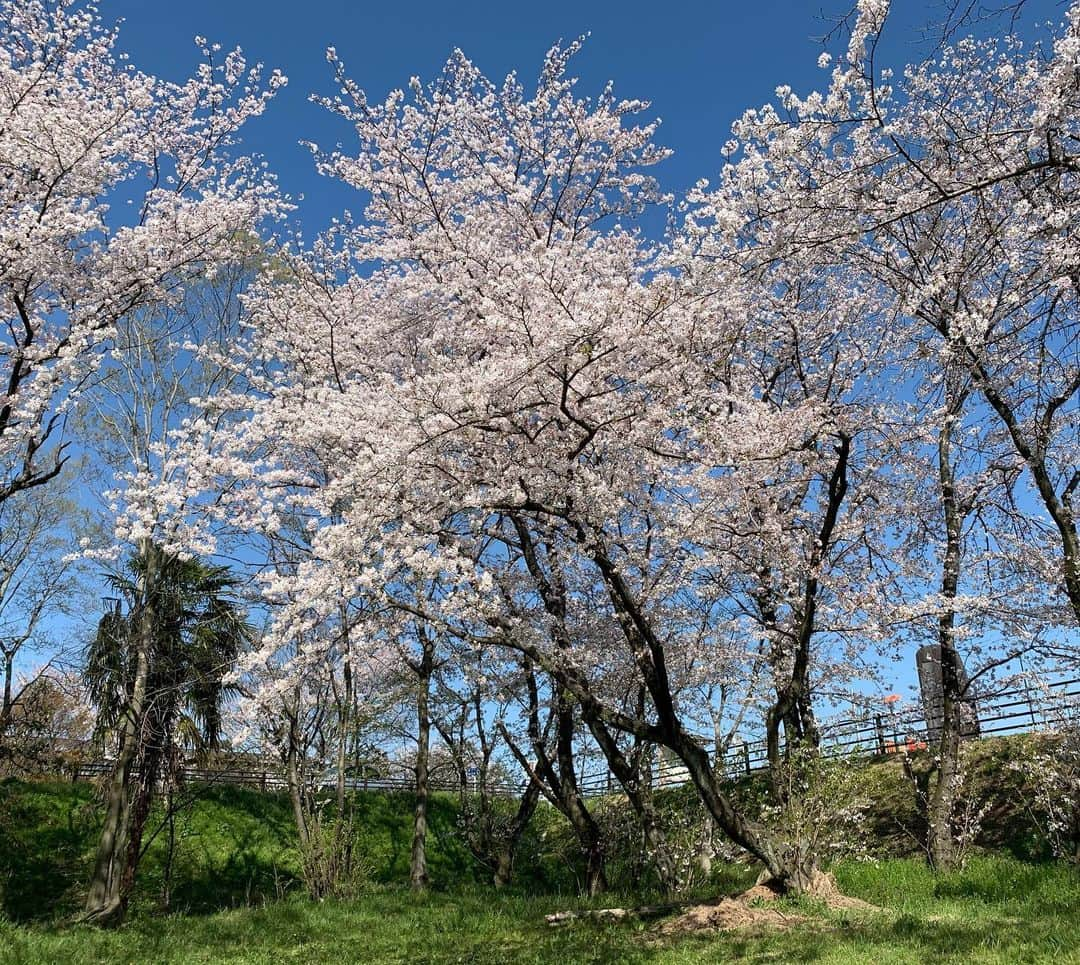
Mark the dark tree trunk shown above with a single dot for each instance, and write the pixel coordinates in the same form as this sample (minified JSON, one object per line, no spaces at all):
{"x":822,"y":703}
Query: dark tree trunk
{"x":637,"y":793}
{"x":149,"y":768}
{"x":418,"y":873}
{"x":942,"y":845}
{"x":793,"y":706}
{"x":507,"y":846}
{"x":584,"y":824}
{"x":556,"y":776}
{"x":344,"y":714}
{"x":9,"y":672}
{"x":788,"y":870}
{"x":105,"y":898}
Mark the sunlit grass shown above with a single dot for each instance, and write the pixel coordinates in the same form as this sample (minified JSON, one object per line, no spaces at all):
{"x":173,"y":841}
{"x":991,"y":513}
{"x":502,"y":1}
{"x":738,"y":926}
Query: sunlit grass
{"x":236,"y":898}
{"x":998,"y":910}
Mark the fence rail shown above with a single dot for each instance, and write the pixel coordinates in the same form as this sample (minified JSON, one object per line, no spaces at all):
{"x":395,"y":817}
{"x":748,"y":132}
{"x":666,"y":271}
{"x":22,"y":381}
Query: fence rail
{"x":1013,"y":711}
{"x":881,"y":734}
{"x":270,"y":778}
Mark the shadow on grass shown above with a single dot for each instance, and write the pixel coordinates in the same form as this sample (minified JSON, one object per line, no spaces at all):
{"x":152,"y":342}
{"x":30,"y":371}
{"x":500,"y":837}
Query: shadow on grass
{"x":44,"y":834}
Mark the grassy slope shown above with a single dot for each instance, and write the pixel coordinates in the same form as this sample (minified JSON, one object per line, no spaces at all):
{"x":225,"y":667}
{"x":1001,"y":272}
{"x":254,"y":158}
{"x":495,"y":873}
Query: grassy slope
{"x":999,"y":910}
{"x":235,"y":847}
{"x":236,"y":880}
{"x":991,"y":780}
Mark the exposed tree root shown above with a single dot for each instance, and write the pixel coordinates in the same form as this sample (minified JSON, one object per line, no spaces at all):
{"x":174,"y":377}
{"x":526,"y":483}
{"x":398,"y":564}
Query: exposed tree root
{"x":822,"y":886}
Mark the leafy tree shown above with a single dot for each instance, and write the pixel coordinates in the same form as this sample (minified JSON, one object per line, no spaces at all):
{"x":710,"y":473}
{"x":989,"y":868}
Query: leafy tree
{"x":157,"y":674}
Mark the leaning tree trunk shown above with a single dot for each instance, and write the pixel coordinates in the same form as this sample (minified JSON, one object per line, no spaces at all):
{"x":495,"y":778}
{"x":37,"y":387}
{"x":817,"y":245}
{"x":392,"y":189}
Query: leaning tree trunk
{"x":584,"y":824}
{"x":637,"y":793}
{"x":505,"y":849}
{"x":559,"y":783}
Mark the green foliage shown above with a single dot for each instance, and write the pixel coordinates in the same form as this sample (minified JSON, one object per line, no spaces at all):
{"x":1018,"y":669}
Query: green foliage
{"x":234,"y":846}
{"x":45,"y":832}
{"x":996,"y":778}
{"x":198,"y":629}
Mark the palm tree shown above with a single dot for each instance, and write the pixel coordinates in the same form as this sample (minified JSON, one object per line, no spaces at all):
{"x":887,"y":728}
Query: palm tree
{"x":157,"y":675}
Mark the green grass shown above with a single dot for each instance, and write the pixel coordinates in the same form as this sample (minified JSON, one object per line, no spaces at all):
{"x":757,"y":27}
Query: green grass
{"x":236,"y":895}
{"x":998,"y":910}
{"x":234,"y":847}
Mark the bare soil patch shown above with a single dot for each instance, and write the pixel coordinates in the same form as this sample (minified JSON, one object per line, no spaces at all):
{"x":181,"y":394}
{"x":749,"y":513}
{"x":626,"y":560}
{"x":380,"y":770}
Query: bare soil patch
{"x":730,"y":914}
{"x":758,"y":909}
{"x":823,"y":887}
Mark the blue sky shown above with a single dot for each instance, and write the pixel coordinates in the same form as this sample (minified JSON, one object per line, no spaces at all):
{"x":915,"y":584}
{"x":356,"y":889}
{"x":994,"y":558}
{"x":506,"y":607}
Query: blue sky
{"x":701,"y":64}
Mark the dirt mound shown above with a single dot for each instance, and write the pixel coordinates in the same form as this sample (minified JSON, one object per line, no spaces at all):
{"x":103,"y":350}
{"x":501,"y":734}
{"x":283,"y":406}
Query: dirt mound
{"x":729,"y":914}
{"x":758,"y":908}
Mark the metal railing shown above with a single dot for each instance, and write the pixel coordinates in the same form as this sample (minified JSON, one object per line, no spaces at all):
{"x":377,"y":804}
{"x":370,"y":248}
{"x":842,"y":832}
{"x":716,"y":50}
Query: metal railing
{"x":269,"y":777}
{"x":1011,"y":711}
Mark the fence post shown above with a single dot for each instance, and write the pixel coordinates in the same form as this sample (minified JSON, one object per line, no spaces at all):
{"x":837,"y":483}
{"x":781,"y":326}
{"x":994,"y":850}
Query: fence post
{"x":746,"y":757}
{"x":879,"y":728}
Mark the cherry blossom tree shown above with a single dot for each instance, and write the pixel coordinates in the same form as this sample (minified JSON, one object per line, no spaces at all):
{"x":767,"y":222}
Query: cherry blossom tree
{"x":950,"y":192}
{"x":492,"y":351}
{"x":949,"y":195}
{"x":651,"y":473}
{"x":116,"y":188}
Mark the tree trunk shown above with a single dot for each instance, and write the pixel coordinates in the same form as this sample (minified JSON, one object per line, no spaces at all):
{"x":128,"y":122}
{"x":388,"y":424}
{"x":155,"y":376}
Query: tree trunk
{"x":418,"y":874}
{"x":344,"y":710}
{"x":942,"y":844}
{"x":584,"y":824}
{"x":504,"y":865}
{"x":9,"y":672}
{"x":148,"y":771}
{"x":293,"y":776}
{"x":104,"y":899}
{"x":504,"y":857}
{"x":637,"y":793}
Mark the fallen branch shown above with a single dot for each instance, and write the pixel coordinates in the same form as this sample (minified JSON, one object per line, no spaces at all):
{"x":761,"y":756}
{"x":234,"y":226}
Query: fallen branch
{"x":617,"y":914}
